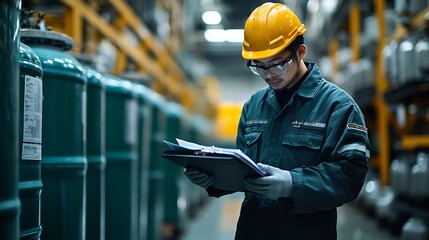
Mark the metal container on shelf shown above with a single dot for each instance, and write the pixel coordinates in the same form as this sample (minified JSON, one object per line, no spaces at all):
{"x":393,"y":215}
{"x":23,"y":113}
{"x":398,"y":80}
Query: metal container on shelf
{"x":420,"y":177}
{"x":366,"y":73}
{"x":414,"y":229}
{"x":416,"y":6}
{"x":385,"y":213}
{"x":390,"y":62}
{"x":371,"y":192}
{"x":121,"y":158}
{"x":9,"y":98}
{"x":30,"y":142}
{"x":422,"y":54}
{"x":408,"y":68}
{"x":400,"y":176}
{"x":64,"y":162}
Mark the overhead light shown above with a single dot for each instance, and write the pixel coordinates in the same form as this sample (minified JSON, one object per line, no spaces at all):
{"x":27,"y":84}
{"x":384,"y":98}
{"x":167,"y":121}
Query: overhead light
{"x":234,"y":35}
{"x":211,"y":17}
{"x":214,"y":35}
{"x":221,"y":35}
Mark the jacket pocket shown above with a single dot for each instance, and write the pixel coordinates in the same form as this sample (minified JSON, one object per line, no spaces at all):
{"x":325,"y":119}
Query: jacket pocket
{"x":301,"y":149}
{"x":253,"y":143}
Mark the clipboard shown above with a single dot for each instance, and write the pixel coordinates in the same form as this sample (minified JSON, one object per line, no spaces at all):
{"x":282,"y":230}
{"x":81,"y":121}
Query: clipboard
{"x":227,"y":170}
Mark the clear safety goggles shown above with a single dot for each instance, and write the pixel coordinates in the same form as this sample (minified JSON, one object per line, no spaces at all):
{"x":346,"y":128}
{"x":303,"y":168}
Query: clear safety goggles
{"x":277,"y":69}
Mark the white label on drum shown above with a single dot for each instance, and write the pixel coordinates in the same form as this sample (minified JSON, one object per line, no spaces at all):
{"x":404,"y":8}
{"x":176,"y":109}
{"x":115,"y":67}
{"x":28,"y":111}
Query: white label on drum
{"x":31,"y":151}
{"x":32,"y":112}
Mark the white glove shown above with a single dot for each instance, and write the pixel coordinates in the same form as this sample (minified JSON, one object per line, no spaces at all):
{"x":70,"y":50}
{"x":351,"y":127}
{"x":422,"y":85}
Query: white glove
{"x":199,"y":178}
{"x":277,"y":183}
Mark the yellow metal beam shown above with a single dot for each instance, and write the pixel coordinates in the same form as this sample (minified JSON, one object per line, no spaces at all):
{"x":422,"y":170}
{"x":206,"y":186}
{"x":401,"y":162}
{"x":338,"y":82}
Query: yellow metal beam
{"x":73,"y":24}
{"x":334,"y":47}
{"x":354,"y":21}
{"x":411,"y":142}
{"x":144,"y":34}
{"x":175,"y":75}
{"x":382,"y":108}
{"x":142,"y":60}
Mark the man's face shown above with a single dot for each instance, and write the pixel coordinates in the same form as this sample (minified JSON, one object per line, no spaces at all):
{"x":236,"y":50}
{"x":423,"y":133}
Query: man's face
{"x":278,"y":71}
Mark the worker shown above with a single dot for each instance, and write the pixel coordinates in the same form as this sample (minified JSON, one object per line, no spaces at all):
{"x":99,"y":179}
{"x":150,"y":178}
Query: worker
{"x":306,"y":133}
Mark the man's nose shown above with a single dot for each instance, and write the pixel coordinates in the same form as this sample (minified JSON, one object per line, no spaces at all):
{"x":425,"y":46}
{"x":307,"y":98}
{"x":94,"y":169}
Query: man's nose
{"x":269,"y":74}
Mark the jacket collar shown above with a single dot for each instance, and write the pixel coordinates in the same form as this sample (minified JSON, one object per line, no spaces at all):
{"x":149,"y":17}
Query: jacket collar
{"x":312,"y":83}
{"x":307,"y":89}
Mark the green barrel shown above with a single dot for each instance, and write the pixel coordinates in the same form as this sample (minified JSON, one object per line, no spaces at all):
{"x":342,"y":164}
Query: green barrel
{"x":9,"y":102}
{"x":30,"y":142}
{"x":175,"y":183}
{"x":144,"y":135}
{"x":156,"y":174}
{"x":121,"y":159}
{"x":198,"y":127}
{"x":96,"y":155}
{"x":64,"y":162}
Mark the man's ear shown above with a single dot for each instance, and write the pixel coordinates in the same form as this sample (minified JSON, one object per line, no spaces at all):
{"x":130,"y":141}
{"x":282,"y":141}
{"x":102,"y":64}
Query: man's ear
{"x":300,"y":52}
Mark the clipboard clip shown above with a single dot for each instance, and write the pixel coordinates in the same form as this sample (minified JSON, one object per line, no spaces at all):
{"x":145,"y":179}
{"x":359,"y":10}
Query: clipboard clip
{"x":201,"y":153}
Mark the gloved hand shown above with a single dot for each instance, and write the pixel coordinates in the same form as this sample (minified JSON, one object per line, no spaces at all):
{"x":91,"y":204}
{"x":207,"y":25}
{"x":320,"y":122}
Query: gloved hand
{"x":199,"y":178}
{"x":277,"y":183}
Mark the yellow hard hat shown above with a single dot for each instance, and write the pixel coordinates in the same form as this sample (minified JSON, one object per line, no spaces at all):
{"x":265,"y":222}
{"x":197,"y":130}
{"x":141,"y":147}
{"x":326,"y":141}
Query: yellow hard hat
{"x":269,"y":29}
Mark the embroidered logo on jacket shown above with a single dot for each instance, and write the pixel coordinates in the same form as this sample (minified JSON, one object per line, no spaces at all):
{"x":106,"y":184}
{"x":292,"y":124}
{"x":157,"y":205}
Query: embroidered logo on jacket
{"x":258,"y":121}
{"x":299,"y":123}
{"x":357,"y":127}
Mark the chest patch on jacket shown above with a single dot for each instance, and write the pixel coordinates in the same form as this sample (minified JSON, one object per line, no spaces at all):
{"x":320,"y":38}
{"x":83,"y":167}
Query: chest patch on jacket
{"x":258,"y":121}
{"x":356,"y":127}
{"x":299,"y":123}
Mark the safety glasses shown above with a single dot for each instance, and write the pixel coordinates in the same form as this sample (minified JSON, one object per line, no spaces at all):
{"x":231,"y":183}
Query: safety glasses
{"x":277,"y":69}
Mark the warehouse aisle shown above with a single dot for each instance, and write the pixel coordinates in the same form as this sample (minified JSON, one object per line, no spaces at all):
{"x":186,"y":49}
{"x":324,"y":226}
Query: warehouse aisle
{"x":218,"y":218}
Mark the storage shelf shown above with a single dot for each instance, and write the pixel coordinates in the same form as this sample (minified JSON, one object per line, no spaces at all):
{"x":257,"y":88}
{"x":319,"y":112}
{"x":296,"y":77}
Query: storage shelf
{"x":408,"y":91}
{"x":419,"y":20}
{"x":411,"y":209}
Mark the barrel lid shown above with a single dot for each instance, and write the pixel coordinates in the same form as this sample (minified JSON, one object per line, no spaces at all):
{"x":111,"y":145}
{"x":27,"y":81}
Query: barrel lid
{"x":28,"y":55}
{"x":94,"y":77}
{"x":174,"y":109}
{"x":141,"y":90}
{"x":155,"y":99}
{"x":46,"y":38}
{"x":117,"y":84}
{"x":60,"y":63}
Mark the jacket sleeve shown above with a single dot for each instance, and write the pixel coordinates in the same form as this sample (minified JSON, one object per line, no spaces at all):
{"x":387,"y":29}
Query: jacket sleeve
{"x":339,"y":176}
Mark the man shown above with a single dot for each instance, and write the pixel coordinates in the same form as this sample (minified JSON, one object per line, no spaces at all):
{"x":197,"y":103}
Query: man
{"x":305,"y":132}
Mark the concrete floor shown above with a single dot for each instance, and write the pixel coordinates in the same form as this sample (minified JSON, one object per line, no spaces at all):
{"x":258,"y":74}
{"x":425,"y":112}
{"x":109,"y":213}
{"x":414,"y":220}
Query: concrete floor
{"x":217,"y":221}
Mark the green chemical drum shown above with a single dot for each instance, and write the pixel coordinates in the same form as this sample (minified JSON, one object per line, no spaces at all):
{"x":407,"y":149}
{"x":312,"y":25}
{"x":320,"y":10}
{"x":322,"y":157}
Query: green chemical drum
{"x":9,"y":91}
{"x":96,"y":155}
{"x":144,"y":136}
{"x":121,"y":159}
{"x":175,"y":183}
{"x":64,"y":162}
{"x":155,"y":173}
{"x":30,"y":142}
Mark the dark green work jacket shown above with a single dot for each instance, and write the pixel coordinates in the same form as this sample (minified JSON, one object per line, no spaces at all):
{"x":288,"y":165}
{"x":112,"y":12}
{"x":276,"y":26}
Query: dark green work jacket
{"x":321,"y":138}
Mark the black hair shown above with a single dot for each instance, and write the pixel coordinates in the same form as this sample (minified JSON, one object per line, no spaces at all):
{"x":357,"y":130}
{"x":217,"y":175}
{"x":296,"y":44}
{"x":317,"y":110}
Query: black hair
{"x":295,"y":43}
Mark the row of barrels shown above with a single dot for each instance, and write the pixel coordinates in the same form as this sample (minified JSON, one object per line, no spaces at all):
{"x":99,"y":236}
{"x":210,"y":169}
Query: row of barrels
{"x":81,"y":150}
